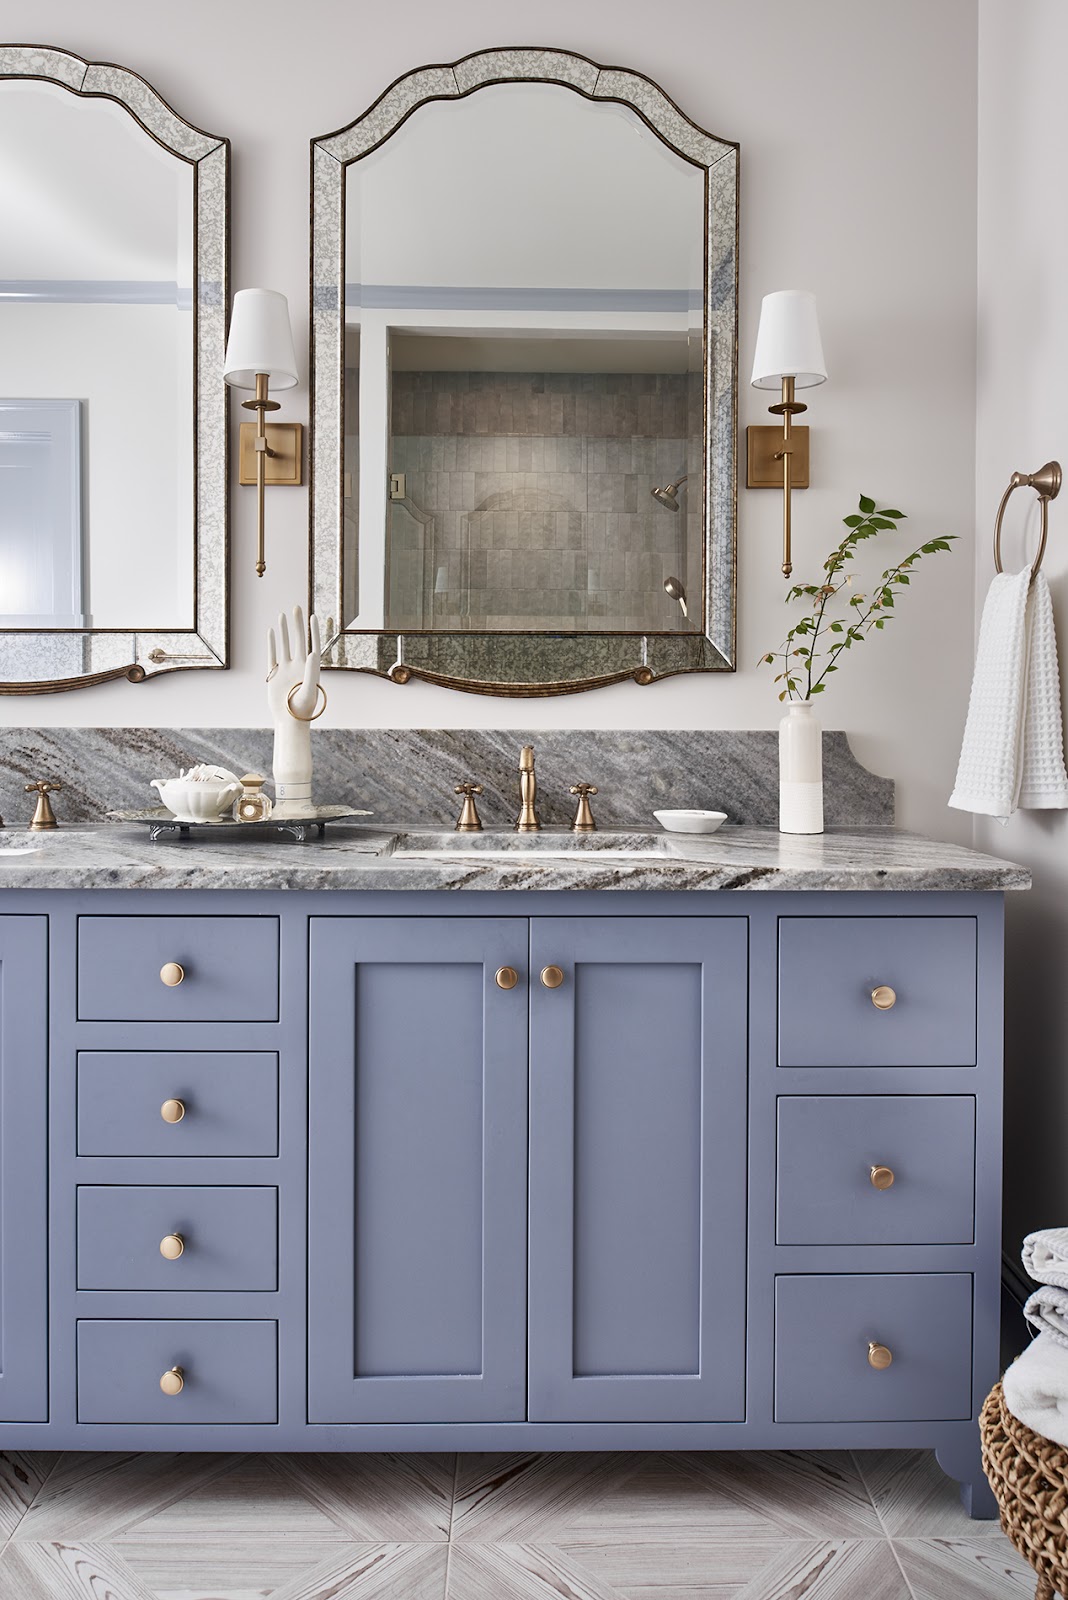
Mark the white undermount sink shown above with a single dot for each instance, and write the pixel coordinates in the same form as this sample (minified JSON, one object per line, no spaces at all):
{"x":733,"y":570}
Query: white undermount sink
{"x":19,"y":844}
{"x":621,"y":845}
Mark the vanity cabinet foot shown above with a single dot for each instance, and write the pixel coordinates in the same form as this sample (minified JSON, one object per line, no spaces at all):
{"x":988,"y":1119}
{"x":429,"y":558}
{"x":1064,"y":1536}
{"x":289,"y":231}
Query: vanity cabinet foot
{"x":963,"y":1461}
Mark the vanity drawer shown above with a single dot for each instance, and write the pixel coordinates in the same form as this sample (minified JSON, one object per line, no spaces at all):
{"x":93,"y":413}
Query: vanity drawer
{"x":830,"y":968}
{"x":226,"y":1238}
{"x":229,"y":1371}
{"x":226,"y":1103}
{"x":837,"y":1153}
{"x":227,"y":969}
{"x":825,"y":1324}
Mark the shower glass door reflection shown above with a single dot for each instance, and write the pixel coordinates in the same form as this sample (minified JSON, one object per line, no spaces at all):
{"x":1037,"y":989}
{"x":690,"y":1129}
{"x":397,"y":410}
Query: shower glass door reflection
{"x":545,"y":484}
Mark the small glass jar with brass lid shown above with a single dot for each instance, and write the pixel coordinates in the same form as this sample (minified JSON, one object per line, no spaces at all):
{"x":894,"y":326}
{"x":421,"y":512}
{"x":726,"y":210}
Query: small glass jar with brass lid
{"x":252,"y":805}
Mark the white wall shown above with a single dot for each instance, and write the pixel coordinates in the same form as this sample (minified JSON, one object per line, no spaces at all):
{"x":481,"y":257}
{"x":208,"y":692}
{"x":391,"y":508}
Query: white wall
{"x":1023,"y":421}
{"x":616,"y":208}
{"x":85,"y":192}
{"x":857,"y":127}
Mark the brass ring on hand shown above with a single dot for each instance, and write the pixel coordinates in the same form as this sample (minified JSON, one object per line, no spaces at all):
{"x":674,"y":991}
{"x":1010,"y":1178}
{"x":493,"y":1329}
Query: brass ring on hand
{"x":315,"y":714}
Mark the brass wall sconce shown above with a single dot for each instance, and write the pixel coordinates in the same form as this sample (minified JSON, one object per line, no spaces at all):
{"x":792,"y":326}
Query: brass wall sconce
{"x":260,"y":356}
{"x":789,"y":352}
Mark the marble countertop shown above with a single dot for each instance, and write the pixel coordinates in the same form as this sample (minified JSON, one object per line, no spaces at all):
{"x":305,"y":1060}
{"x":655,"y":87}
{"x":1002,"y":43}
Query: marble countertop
{"x":376,"y":857}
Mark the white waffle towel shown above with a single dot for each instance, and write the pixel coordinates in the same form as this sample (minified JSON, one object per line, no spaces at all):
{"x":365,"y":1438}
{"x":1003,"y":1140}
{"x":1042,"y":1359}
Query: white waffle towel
{"x":1047,"y":1310}
{"x":1045,"y":1256}
{"x":1036,"y":1388}
{"x":1013,"y":749}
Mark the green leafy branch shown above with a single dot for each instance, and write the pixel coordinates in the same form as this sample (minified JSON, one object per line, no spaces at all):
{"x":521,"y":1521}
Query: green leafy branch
{"x":811,"y":650}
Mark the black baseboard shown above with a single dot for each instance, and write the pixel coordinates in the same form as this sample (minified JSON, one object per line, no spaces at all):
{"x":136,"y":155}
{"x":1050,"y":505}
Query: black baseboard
{"x":1014,"y":1280}
{"x":1016,"y":1334}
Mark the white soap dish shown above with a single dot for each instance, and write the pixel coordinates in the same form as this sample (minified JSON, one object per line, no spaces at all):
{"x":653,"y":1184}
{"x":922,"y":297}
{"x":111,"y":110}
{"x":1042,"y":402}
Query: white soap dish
{"x":690,"y":821}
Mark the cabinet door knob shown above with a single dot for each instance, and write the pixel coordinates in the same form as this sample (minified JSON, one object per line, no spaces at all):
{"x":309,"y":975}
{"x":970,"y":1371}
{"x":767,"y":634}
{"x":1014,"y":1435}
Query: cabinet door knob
{"x":171,"y":1246}
{"x":879,"y":1356}
{"x":171,"y":974}
{"x":173,"y":1380}
{"x":552,"y":977}
{"x":172,"y":1110}
{"x":883,"y":997}
{"x":882,"y":1177}
{"x":507,"y":977}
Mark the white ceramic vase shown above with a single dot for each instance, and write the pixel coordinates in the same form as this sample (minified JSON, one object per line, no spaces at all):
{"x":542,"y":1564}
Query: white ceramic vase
{"x":800,"y":770}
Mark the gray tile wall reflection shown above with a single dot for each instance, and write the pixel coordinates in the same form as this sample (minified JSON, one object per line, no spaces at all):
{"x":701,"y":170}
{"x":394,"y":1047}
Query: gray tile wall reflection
{"x":529,"y":500}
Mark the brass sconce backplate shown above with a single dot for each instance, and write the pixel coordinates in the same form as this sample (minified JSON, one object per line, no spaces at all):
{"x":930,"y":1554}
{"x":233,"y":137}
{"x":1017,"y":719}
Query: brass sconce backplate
{"x":285,"y":464}
{"x":763,"y":457}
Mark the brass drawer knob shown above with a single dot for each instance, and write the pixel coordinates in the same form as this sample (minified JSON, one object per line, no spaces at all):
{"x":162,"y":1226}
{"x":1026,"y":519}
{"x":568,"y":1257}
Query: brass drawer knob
{"x":171,"y":974}
{"x":552,"y":977}
{"x":507,"y":977}
{"x":171,"y":1246}
{"x":882,"y":1177}
{"x":173,"y":1380}
{"x":883,"y":998}
{"x":879,"y":1356}
{"x":172,"y":1110}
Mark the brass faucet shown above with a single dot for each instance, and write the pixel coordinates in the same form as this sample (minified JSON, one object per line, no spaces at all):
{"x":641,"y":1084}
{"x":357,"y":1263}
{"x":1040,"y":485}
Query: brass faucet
{"x":44,"y":817}
{"x":527,"y":821}
{"x":469,"y":820}
{"x":583,"y":822}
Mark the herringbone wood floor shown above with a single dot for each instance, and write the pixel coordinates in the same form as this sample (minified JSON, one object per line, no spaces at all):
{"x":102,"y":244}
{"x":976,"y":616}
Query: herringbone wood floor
{"x":813,"y":1526}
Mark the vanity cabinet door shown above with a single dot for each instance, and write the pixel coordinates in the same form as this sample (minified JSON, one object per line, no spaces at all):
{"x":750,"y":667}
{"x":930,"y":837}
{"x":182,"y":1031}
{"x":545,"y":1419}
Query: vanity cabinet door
{"x":417,"y":1169}
{"x":23,"y":1169}
{"x":637,"y":1169}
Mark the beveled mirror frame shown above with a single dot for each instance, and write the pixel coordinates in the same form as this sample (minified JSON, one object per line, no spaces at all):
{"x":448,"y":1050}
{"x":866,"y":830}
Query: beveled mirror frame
{"x":514,"y":663}
{"x":102,"y":654}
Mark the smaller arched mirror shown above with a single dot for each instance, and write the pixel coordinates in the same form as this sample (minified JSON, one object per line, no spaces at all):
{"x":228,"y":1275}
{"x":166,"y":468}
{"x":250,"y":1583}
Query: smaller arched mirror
{"x":113,"y":300}
{"x":524,"y":320}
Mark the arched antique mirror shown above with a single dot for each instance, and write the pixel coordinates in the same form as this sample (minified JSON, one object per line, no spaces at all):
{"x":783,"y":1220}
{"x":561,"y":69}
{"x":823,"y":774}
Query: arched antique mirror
{"x":113,"y":301}
{"x":524,"y":330}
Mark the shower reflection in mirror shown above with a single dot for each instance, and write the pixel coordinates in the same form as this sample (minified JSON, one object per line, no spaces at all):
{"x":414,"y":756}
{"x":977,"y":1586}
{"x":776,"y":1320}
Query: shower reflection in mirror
{"x":527,"y":420}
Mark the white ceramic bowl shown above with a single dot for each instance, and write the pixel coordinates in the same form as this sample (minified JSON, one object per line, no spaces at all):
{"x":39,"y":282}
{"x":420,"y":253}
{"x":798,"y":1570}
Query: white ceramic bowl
{"x":197,"y":800}
{"x":690,"y":821}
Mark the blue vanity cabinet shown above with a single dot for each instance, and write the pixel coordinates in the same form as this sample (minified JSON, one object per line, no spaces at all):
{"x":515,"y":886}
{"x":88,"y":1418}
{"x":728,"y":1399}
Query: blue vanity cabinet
{"x":23,"y":1169}
{"x":523,"y":1170}
{"x":417,"y":1169}
{"x":638,"y":1069}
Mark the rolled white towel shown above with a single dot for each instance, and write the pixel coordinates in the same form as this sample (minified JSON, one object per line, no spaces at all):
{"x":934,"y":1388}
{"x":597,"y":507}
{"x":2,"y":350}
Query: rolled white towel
{"x":1045,"y":1256}
{"x":1047,"y":1310}
{"x":1036,"y":1388}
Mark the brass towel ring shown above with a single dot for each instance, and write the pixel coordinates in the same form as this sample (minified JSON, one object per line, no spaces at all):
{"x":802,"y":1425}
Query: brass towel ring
{"x":1047,"y":483}
{"x":315,"y":714}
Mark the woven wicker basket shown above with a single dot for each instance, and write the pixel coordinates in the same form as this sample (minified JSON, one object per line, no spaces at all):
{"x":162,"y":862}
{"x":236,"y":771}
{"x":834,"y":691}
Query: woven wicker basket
{"x":1029,"y":1477}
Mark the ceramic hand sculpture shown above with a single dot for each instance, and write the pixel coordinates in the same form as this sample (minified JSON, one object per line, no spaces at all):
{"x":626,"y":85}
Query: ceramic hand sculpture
{"x":293,"y":690}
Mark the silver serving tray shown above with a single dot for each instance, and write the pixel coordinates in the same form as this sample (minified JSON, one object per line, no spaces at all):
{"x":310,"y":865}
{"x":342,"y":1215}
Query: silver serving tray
{"x":308,"y":823}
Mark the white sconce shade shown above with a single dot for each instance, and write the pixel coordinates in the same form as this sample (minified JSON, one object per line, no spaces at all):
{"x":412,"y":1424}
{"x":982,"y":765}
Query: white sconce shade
{"x":788,"y":343}
{"x":261,"y":340}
